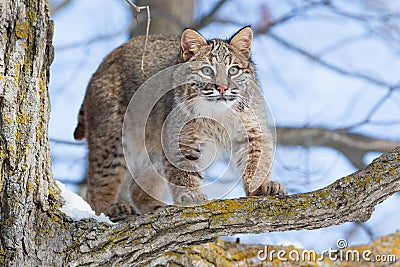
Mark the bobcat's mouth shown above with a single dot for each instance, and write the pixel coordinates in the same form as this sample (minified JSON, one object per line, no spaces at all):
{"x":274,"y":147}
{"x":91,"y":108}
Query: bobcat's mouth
{"x":222,"y":98}
{"x":211,"y":93}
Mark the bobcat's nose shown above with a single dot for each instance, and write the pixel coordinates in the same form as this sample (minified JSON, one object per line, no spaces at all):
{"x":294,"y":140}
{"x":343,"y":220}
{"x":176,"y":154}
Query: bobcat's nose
{"x":221,"y":89}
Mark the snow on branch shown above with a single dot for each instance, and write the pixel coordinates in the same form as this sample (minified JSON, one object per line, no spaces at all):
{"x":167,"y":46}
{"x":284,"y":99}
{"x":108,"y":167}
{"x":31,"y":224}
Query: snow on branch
{"x":77,"y":208}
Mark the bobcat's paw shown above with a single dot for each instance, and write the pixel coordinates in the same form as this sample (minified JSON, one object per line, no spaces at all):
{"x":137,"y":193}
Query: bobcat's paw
{"x":271,"y":188}
{"x":190,"y":197}
{"x":120,"y":211}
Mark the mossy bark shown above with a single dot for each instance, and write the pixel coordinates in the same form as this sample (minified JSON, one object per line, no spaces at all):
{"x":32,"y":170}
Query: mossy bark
{"x":382,"y":252}
{"x":140,"y":239}
{"x":29,"y":199}
{"x":35,"y":233}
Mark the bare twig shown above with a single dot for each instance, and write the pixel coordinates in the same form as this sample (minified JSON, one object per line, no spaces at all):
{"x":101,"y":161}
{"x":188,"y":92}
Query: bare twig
{"x":314,"y":57}
{"x":378,"y":104}
{"x":361,"y":17}
{"x":317,"y":59}
{"x":291,"y":14}
{"x":383,"y":23}
{"x":360,"y":225}
{"x":383,"y":122}
{"x":55,"y":9}
{"x":343,"y":43}
{"x":104,"y":37}
{"x":137,"y":11}
{"x":65,"y":142}
{"x":373,"y":110}
{"x":207,"y":19}
{"x":328,"y":65}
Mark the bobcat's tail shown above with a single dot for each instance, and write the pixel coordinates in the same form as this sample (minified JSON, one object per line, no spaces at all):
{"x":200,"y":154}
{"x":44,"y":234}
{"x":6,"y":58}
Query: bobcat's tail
{"x":79,"y":132}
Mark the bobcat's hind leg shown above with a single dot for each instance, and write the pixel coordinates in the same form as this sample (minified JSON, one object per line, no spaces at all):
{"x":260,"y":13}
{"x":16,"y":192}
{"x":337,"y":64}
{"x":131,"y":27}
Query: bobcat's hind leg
{"x":103,"y":185}
{"x":106,"y":168}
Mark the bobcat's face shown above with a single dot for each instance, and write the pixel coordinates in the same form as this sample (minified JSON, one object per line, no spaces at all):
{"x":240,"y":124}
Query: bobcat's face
{"x":219,"y":72}
{"x":219,"y":75}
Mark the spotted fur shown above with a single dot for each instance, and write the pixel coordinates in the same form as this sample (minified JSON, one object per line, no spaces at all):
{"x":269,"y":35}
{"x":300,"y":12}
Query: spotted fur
{"x":222,"y":97}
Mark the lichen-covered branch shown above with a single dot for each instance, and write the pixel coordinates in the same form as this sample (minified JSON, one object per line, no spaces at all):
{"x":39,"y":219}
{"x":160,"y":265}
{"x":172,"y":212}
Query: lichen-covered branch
{"x":381,"y":252}
{"x":351,"y":198}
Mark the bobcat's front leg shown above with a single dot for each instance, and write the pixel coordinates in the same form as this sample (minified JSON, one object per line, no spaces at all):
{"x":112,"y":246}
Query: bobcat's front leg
{"x":255,"y":161}
{"x":182,"y":166}
{"x":185,"y":186}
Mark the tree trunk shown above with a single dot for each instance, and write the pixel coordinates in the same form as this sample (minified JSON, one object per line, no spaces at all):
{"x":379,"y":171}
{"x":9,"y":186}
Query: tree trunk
{"x":167,"y":17}
{"x":28,"y":194}
{"x":34,"y":232}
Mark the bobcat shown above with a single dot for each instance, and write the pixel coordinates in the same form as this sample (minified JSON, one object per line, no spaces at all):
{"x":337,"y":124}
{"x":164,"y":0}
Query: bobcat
{"x":215,"y":100}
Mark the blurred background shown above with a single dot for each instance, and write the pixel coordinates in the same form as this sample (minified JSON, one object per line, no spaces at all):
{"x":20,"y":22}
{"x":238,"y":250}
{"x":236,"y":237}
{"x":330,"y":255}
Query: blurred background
{"x":330,"y":72}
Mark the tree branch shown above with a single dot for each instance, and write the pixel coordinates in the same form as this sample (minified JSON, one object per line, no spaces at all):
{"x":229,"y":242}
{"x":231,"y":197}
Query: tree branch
{"x":91,"y":40}
{"x":210,"y":17}
{"x":266,"y":29}
{"x":207,"y":19}
{"x":331,"y":66}
{"x":66,"y":142}
{"x":225,"y":253}
{"x":134,"y":241}
{"x":295,"y":12}
{"x":353,"y":146}
{"x":55,"y":8}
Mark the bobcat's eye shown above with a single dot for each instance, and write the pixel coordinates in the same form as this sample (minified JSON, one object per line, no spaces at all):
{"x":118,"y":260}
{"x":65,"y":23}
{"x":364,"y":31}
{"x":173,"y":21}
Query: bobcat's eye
{"x":233,"y":70}
{"x":207,"y":71}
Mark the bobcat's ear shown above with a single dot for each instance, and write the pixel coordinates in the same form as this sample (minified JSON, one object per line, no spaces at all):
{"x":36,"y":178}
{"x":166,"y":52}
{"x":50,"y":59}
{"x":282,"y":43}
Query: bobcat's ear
{"x":191,"y":41}
{"x":242,"y":40}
